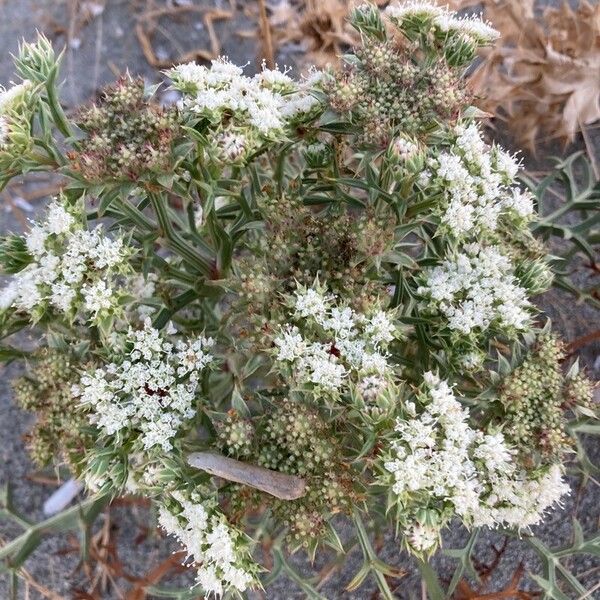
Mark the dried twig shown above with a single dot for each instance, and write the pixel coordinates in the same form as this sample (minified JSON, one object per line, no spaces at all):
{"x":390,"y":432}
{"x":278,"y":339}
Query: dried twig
{"x":38,"y":587}
{"x":584,"y":340}
{"x":280,"y":485}
{"x":147,"y":25}
{"x":173,"y":563}
{"x":464,"y":591}
{"x":267,"y":41}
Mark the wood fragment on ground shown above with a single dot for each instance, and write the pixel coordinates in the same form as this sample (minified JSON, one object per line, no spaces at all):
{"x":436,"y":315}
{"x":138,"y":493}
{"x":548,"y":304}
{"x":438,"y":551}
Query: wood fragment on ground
{"x":280,"y":485}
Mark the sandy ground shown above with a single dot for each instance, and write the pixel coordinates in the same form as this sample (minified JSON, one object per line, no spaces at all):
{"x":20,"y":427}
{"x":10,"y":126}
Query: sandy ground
{"x":98,"y":52}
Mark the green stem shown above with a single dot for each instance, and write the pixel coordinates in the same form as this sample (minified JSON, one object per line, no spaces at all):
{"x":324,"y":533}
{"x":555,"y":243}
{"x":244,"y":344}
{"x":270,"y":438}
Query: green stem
{"x":13,"y":585}
{"x":16,"y":517}
{"x":56,"y":109}
{"x":579,"y":203}
{"x":310,"y":591}
{"x":42,"y":159}
{"x":434,"y":589}
{"x":174,"y":241}
{"x":53,"y":152}
{"x":136,"y":215}
{"x":178,"y":303}
{"x":24,"y":544}
{"x":371,"y":557}
{"x":464,"y":564}
{"x":180,"y":276}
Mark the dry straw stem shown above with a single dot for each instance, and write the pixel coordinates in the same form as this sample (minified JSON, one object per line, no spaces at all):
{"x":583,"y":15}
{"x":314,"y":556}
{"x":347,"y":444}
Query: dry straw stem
{"x":267,"y":40}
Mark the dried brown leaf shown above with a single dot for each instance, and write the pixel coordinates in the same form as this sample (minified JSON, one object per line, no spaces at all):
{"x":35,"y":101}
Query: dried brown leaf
{"x":543,"y":78}
{"x":173,"y":564}
{"x":512,"y":591}
{"x":319,"y":27}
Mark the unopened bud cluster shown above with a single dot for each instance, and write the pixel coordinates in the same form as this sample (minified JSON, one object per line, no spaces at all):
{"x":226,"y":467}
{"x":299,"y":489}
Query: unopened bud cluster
{"x":301,"y":244}
{"x":46,"y":390}
{"x":384,"y":91}
{"x":299,"y":442}
{"x":536,"y":397}
{"x":235,"y":435}
{"x":294,"y":439}
{"x":395,"y":82}
{"x":127,"y":136}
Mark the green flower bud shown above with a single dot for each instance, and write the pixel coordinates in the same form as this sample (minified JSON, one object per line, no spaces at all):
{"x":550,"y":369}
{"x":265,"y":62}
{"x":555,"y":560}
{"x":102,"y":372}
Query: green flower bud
{"x":535,"y":276}
{"x":37,"y":61}
{"x":17,"y":106}
{"x":318,"y":155}
{"x":459,"y":49}
{"x":579,"y":391}
{"x":366,"y":19}
{"x":14,"y":256}
{"x":235,"y":435}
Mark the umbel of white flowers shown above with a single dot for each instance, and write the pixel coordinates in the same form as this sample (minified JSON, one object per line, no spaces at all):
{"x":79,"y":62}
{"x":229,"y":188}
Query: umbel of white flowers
{"x":437,"y":456}
{"x":71,"y":270}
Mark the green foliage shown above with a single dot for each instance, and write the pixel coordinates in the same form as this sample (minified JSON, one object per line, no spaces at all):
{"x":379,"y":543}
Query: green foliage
{"x":14,"y":554}
{"x":569,"y":206}
{"x":13,"y":254}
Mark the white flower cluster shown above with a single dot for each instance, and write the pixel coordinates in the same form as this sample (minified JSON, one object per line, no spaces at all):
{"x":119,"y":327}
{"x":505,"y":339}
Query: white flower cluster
{"x":476,"y":289}
{"x":4,"y":132}
{"x":438,"y":456}
{"x":9,"y":97}
{"x":246,"y":110}
{"x":420,"y":9}
{"x":14,"y":117}
{"x":150,"y":391}
{"x":473,"y":28}
{"x":477,"y":186}
{"x":404,"y":148}
{"x":327,"y":343}
{"x":210,"y":544}
{"x":74,"y":271}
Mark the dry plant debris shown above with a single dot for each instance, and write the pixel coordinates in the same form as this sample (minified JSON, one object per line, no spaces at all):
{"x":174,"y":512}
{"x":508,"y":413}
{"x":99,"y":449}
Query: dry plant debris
{"x":106,"y":572}
{"x":544,"y":77}
{"x":511,"y":591}
{"x":148,"y":25}
{"x":319,"y":28}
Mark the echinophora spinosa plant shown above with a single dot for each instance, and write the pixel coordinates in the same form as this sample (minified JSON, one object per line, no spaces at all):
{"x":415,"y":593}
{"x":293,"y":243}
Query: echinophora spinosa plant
{"x":325,"y":287}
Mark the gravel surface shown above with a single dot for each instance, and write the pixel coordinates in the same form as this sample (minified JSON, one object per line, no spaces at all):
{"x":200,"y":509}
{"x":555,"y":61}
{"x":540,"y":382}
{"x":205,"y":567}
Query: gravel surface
{"x":98,"y":52}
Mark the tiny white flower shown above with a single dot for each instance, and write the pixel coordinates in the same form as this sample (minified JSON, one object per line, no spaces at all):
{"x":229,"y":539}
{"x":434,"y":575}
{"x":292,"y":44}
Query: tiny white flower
{"x":58,"y":220}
